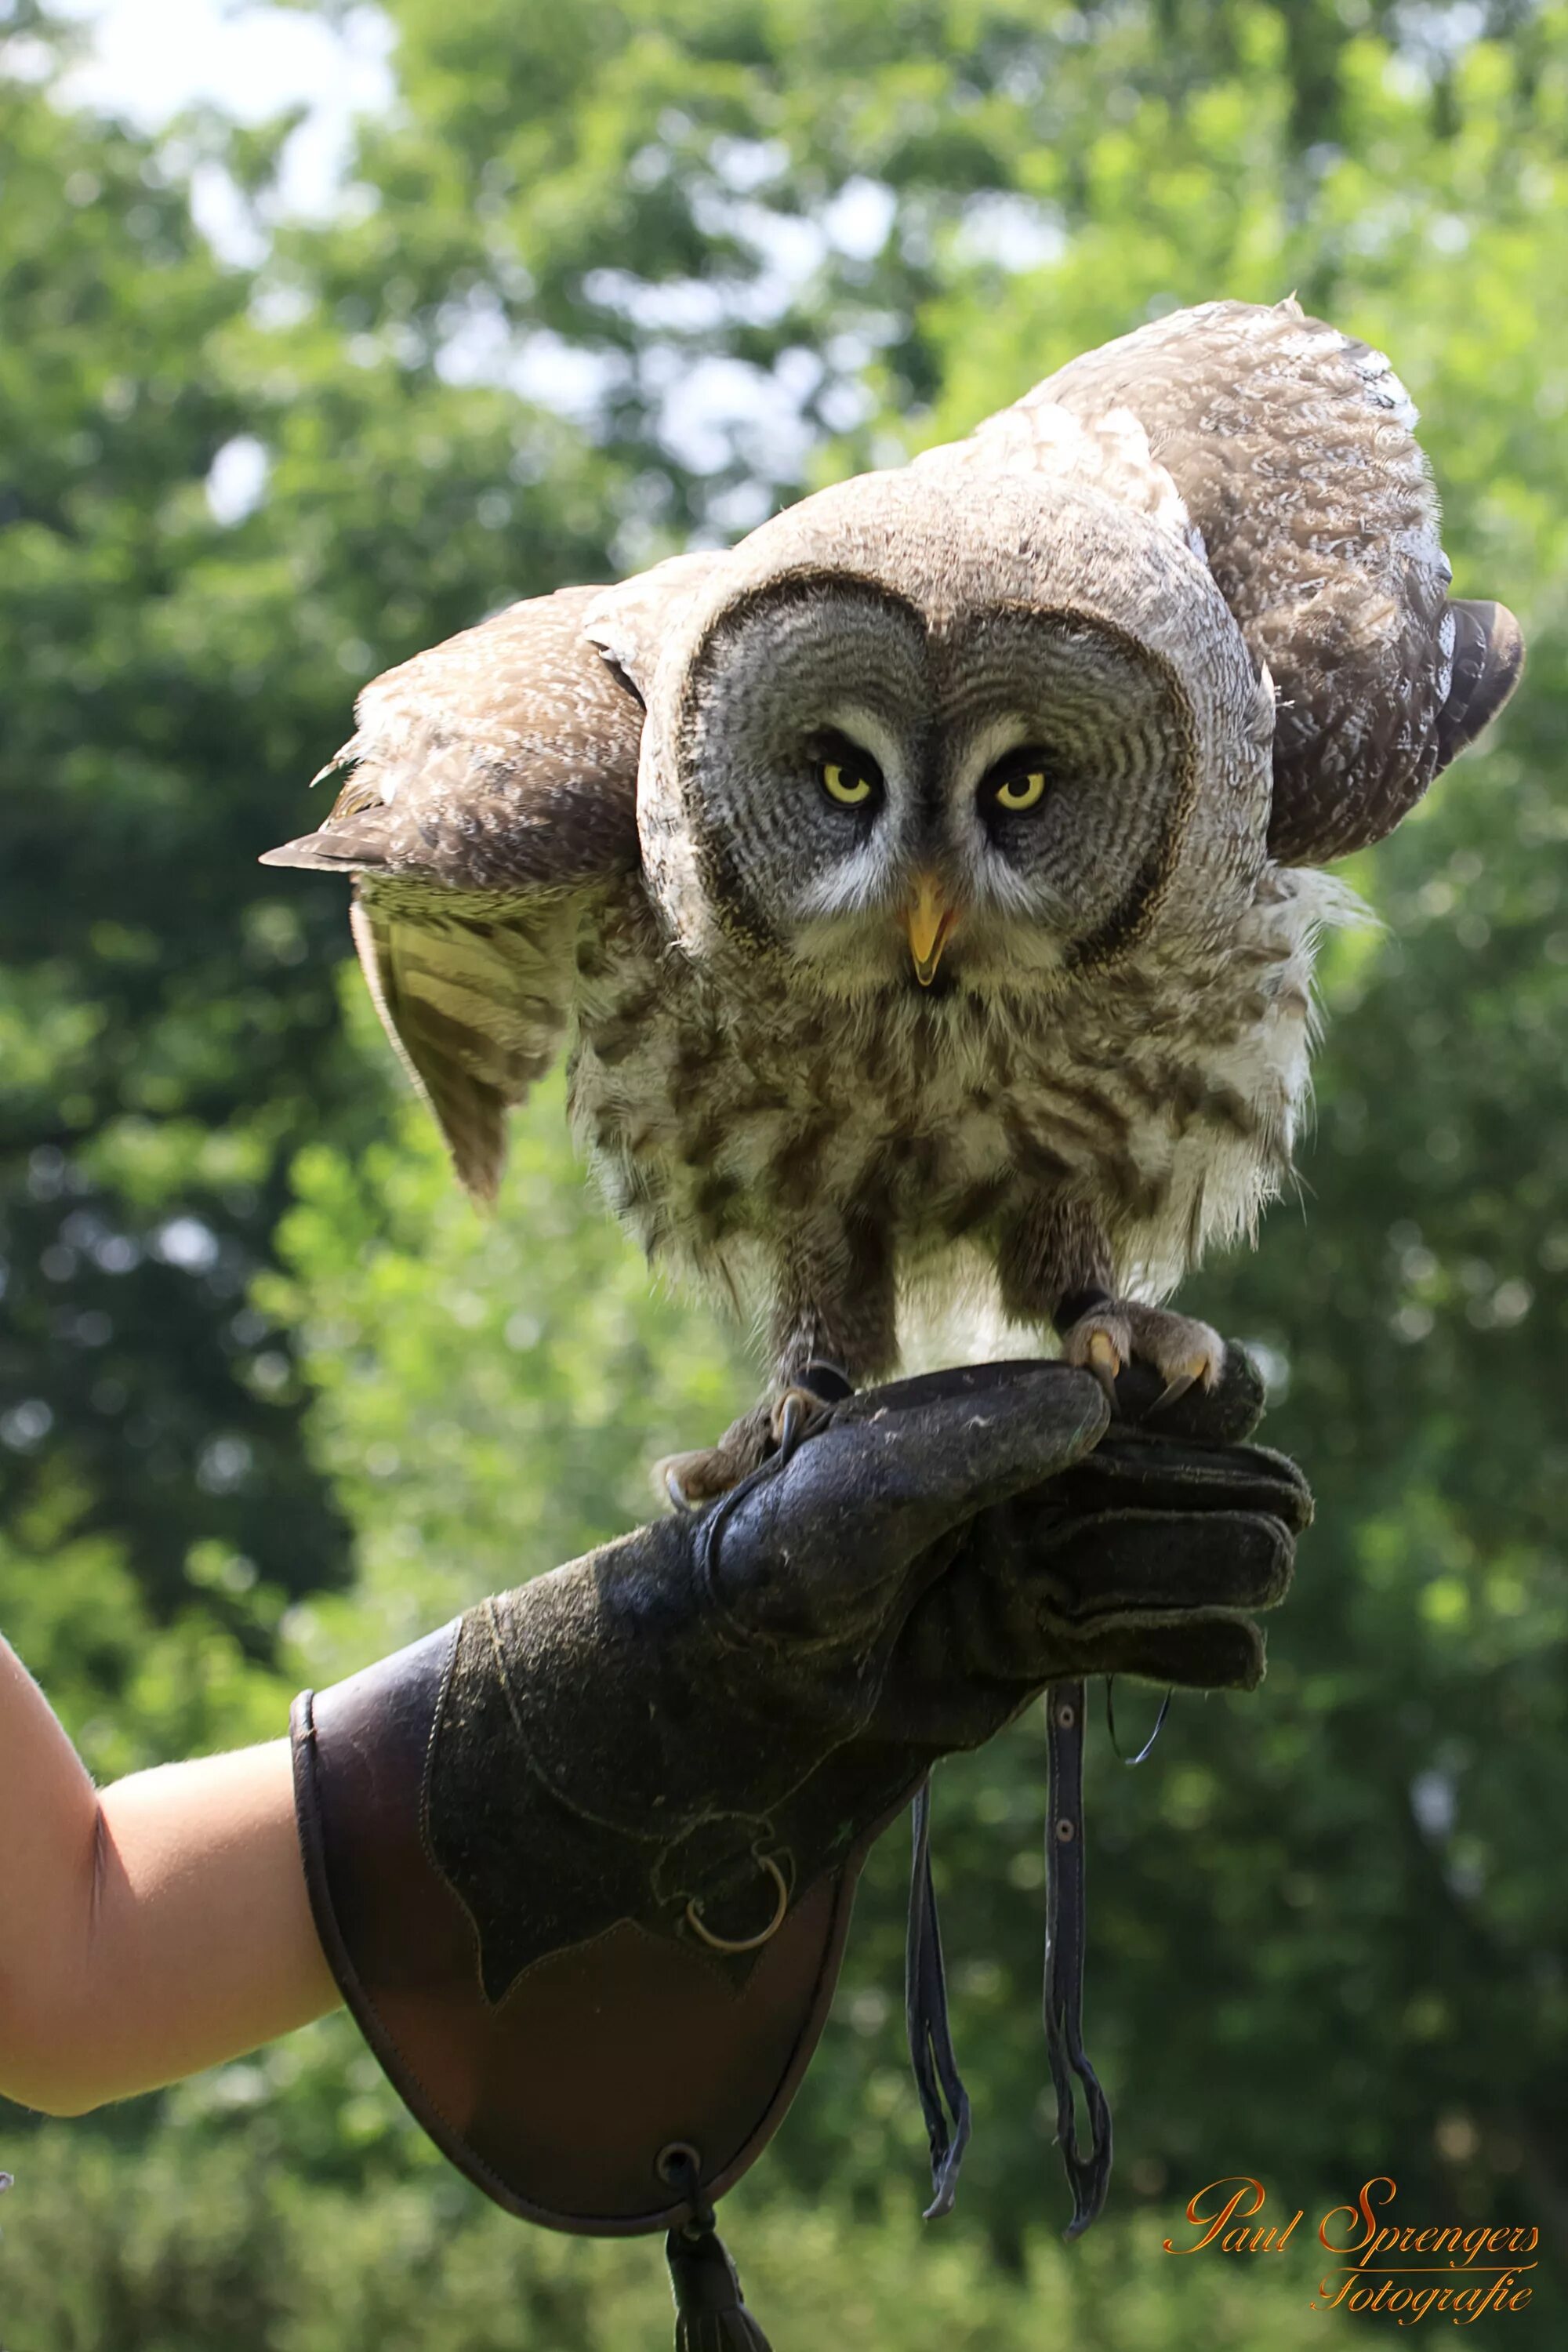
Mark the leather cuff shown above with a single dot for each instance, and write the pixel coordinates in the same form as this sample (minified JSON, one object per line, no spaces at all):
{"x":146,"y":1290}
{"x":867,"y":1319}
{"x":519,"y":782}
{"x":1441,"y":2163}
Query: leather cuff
{"x":558,"y":2099}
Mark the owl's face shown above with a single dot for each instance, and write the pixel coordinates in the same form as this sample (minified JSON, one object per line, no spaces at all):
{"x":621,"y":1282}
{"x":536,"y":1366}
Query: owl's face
{"x":978,"y":809}
{"x":945,"y":793}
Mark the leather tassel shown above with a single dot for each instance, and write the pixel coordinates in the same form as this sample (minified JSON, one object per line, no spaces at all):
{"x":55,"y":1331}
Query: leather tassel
{"x":710,"y":2313}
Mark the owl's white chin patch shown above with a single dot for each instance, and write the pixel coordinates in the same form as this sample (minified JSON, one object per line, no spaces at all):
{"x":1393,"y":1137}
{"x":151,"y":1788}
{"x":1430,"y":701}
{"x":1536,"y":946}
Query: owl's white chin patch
{"x":849,"y":959}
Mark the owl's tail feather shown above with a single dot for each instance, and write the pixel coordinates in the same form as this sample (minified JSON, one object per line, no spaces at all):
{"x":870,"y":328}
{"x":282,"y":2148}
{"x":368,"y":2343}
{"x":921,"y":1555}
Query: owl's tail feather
{"x":1488,"y":654}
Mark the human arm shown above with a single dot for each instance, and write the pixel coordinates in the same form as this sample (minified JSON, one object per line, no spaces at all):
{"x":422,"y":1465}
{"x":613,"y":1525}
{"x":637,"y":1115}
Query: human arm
{"x":147,"y":1930}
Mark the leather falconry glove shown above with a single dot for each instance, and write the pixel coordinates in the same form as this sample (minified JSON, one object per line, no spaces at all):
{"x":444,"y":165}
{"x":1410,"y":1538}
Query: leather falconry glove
{"x":581,"y":1861}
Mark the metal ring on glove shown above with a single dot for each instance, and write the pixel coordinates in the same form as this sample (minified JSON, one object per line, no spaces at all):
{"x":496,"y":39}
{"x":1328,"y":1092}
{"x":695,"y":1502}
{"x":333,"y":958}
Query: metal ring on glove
{"x":746,"y":1943}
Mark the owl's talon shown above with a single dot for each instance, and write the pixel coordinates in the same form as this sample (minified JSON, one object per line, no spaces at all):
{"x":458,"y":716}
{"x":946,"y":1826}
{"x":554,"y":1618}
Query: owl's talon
{"x":790,"y":1412}
{"x":688,"y":1481}
{"x":1202,"y":1369}
{"x":1182,"y":1349}
{"x":1099,"y":1342}
{"x":677,"y":1481}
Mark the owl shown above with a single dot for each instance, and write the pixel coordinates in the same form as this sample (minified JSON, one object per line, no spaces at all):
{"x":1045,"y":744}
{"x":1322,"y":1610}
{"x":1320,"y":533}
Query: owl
{"x":931,"y":881}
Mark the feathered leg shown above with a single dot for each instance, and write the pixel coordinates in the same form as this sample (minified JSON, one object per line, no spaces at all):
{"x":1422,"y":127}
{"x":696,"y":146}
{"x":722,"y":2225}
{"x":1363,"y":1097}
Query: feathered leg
{"x":835,"y":1304}
{"x":1056,"y":1266}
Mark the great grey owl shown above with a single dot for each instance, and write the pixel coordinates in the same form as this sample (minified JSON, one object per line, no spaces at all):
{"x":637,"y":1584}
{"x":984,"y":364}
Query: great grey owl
{"x":931,"y":872}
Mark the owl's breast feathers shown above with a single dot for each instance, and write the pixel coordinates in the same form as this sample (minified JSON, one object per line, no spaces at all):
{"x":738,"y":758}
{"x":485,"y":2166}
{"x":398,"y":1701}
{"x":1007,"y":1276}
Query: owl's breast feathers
{"x":1163,"y":1097}
{"x":491,"y":801}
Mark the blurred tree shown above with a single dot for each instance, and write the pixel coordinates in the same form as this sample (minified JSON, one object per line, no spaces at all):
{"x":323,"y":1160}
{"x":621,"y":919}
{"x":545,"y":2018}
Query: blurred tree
{"x":211,"y":530}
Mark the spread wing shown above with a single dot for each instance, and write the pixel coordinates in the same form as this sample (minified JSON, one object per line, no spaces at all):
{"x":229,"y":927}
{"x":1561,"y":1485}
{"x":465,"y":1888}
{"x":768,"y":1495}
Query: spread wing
{"x":1292,"y":447}
{"x":492,"y":792}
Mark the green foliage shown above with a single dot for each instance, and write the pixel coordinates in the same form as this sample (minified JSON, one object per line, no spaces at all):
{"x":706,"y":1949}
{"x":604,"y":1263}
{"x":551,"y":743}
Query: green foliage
{"x":739,"y":246}
{"x":100,"y":2254}
{"x":491,"y":1392}
{"x":169,"y":674}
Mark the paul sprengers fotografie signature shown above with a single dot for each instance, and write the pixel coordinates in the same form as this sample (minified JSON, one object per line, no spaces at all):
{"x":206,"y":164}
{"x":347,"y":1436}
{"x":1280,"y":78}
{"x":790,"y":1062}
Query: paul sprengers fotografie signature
{"x":1405,"y":2271}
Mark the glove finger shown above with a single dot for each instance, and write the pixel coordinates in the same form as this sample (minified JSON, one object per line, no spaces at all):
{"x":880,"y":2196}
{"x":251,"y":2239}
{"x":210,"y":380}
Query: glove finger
{"x":1133,"y":1470}
{"x":1019,"y":1622}
{"x":1222,"y":1415}
{"x":1208,"y":1651}
{"x":1143,"y":1563}
{"x":893,"y":1477}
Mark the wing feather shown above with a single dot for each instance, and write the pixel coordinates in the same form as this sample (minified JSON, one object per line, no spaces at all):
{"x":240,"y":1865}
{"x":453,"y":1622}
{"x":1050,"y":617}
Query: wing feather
{"x":1292,"y":448}
{"x":475,"y":1007}
{"x":491,"y":798}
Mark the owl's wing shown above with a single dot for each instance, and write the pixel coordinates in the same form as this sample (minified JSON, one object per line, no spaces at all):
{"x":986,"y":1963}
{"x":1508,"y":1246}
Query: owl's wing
{"x":1292,"y":447}
{"x":493,"y":787}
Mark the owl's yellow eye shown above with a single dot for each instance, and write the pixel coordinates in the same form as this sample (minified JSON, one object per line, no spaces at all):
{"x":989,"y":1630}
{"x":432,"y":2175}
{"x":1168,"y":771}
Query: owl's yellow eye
{"x":1020,"y":791}
{"x":845,"y":785}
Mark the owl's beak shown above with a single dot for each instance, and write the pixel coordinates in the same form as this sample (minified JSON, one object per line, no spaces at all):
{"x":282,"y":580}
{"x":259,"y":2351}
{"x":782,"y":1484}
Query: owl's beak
{"x":929,"y":920}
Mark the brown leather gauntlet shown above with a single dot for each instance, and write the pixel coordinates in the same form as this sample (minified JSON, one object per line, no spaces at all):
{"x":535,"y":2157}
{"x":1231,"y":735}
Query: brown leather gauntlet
{"x":559,"y":2098}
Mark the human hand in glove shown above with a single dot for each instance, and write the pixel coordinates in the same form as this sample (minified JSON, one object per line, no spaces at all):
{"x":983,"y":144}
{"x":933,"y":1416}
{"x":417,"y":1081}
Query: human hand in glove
{"x":582,"y":1860}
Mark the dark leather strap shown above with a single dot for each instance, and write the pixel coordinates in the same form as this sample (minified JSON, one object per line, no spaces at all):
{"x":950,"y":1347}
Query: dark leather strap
{"x":1088,"y":2171}
{"x":944,"y":2103}
{"x":942,"y":2093}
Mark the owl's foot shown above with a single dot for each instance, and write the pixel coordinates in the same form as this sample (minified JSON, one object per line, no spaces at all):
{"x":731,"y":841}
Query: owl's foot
{"x":689,"y":1480}
{"x":1181,"y":1349}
